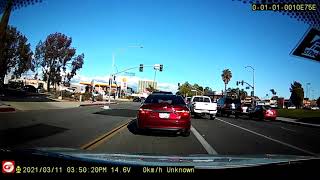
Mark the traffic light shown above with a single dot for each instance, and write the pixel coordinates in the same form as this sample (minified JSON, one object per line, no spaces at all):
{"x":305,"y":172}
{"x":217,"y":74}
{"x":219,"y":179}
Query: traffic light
{"x":242,"y":83}
{"x":178,"y":84}
{"x":161,"y":67}
{"x":110,"y":81}
{"x":237,"y":83}
{"x":141,"y":68}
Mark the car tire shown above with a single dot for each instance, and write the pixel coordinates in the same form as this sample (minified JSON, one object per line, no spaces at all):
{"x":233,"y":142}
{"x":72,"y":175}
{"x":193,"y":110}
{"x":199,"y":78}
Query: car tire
{"x":186,"y":133}
{"x":195,"y":115}
{"x":261,"y":118}
{"x":212,"y":117}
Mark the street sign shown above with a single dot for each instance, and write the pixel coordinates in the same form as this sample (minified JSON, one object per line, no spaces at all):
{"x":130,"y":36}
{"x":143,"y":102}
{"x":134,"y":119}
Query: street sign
{"x":309,"y":47}
{"x":129,"y":74}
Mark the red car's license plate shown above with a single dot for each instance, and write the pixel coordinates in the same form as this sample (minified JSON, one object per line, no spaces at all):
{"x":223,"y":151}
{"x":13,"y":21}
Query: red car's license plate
{"x":164,"y":115}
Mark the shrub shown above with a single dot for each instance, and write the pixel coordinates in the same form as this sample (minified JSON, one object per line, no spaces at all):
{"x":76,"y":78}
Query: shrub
{"x":67,"y":94}
{"x":99,"y":98}
{"x":85,"y":96}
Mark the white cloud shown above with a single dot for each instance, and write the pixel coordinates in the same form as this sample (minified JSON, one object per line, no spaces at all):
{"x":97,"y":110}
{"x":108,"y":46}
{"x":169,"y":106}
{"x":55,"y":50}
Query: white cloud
{"x":132,"y":81}
{"x":168,"y":87}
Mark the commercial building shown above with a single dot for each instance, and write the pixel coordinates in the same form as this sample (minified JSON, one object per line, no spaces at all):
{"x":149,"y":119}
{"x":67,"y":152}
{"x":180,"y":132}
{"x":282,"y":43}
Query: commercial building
{"x":143,"y":85}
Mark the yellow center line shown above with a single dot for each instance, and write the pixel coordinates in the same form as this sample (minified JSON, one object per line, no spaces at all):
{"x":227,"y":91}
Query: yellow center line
{"x":104,"y":137}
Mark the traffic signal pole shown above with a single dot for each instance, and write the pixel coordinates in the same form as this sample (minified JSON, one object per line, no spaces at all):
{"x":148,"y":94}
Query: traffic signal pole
{"x":252,"y":78}
{"x":111,"y":82}
{"x":154,"y":77}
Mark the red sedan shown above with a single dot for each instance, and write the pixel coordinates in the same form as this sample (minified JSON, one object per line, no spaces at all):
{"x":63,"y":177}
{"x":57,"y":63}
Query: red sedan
{"x":263,"y":112}
{"x":165,"y":112}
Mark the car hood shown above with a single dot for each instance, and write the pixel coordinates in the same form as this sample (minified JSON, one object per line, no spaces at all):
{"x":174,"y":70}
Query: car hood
{"x":195,"y":160}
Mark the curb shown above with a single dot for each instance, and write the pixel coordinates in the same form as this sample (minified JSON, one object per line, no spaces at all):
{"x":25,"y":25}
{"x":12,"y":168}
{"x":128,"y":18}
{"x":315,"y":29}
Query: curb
{"x":7,"y":109}
{"x":100,"y":104}
{"x":299,"y":123}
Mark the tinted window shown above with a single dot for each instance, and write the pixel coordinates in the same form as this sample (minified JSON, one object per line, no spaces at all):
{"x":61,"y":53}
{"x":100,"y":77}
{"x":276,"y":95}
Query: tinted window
{"x":258,"y":108}
{"x":236,"y":101}
{"x":206,"y":100}
{"x":228,"y":101}
{"x":197,"y":99}
{"x":168,"y":99}
{"x":267,"y":107}
{"x":161,"y":92}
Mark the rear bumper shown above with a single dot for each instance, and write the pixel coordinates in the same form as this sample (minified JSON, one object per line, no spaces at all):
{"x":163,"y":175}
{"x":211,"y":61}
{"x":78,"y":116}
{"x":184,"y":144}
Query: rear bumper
{"x":201,"y":111}
{"x":230,"y":111}
{"x":173,"y":125}
{"x":270,"y":117}
{"x":166,"y":129}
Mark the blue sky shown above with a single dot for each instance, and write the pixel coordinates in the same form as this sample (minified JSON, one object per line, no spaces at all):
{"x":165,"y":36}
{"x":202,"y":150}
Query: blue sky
{"x":194,"y":39}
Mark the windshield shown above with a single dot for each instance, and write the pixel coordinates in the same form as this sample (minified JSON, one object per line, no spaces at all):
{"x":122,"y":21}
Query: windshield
{"x":201,"y":99}
{"x":161,"y":77}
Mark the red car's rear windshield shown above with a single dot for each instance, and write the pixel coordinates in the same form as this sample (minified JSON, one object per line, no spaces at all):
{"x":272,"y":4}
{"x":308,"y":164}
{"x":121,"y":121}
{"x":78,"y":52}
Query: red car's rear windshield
{"x":168,"y":99}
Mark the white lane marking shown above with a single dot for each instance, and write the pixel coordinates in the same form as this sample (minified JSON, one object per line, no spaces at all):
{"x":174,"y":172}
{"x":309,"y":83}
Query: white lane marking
{"x":271,"y":139}
{"x":288,"y":129}
{"x":203,"y":142}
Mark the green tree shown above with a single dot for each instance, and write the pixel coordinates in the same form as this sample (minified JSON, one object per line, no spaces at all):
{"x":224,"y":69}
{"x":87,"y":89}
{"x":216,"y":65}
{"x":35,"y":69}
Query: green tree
{"x":57,"y":56}
{"x":226,"y":77}
{"x":207,"y":90}
{"x":6,"y":6}
{"x":243,"y":94}
{"x":185,"y":89}
{"x":150,"y":88}
{"x":17,"y":54}
{"x":297,"y":94}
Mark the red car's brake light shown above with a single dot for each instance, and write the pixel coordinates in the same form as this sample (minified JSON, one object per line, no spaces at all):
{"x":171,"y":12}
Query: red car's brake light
{"x":271,"y":112}
{"x":183,"y":113}
{"x":144,"y":111}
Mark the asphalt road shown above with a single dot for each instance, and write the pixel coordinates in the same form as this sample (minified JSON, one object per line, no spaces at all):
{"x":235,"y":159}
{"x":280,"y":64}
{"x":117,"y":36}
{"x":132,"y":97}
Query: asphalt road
{"x":70,"y":128}
{"x":77,"y":127}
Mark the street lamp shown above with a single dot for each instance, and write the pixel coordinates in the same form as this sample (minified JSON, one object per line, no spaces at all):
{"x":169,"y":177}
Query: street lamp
{"x":307,"y":86}
{"x":252,"y":77}
{"x":112,"y":72}
{"x":312,"y":94}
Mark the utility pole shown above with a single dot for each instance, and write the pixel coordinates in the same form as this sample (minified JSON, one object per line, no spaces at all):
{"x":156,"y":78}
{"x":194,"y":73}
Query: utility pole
{"x":253,"y":87}
{"x":154,"y":78}
{"x":307,"y":87}
{"x":110,"y":82}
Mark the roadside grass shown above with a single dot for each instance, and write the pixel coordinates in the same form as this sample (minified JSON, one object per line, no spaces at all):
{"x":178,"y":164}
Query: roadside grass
{"x":303,"y":115}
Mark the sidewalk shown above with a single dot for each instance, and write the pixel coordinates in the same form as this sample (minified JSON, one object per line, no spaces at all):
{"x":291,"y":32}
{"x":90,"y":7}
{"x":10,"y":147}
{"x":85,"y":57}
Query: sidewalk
{"x":96,"y":103}
{"x":296,"y":121}
{"x":62,"y":104}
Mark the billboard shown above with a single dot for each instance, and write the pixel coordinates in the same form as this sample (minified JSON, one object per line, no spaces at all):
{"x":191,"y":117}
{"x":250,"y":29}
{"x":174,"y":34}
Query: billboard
{"x":309,"y":47}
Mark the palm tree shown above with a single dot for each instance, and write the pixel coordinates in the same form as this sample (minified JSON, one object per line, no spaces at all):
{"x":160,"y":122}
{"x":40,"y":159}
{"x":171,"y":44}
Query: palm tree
{"x":226,"y":77}
{"x":273,"y":92}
